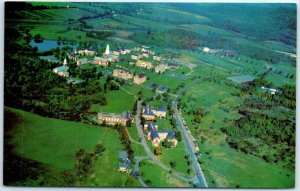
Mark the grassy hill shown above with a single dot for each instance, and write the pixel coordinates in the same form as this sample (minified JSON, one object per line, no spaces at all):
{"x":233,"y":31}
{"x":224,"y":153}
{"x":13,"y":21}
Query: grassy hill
{"x":53,"y":143}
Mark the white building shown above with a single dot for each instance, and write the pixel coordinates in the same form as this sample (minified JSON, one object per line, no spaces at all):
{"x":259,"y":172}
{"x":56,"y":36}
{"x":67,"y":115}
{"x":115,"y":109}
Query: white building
{"x":62,"y":70}
{"x":107,"y":52}
{"x":206,"y":49}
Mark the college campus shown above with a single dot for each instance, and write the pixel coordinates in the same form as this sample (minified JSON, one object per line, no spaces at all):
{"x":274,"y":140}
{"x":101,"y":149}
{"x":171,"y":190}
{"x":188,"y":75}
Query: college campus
{"x":152,"y":95}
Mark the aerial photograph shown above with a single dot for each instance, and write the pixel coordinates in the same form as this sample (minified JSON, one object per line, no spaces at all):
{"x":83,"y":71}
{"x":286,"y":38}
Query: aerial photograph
{"x":149,"y":94}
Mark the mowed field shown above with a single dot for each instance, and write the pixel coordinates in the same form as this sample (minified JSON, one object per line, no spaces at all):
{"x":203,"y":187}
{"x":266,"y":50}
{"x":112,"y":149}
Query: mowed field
{"x":231,"y":169}
{"x":176,"y":155}
{"x":54,"y":142}
{"x":154,"y":175}
{"x":118,"y":101}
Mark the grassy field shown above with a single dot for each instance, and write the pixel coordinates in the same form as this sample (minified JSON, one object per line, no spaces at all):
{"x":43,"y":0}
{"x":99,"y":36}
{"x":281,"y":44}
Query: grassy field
{"x":138,"y":149}
{"x":118,"y":101}
{"x":54,"y":142}
{"x":222,"y":165}
{"x":133,"y":132}
{"x":210,"y":97}
{"x":176,"y":155}
{"x":58,"y":14}
{"x":155,"y":176}
{"x":230,"y":168}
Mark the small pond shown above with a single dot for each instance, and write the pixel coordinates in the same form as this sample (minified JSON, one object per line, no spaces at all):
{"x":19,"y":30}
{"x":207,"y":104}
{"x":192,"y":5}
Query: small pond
{"x":49,"y":44}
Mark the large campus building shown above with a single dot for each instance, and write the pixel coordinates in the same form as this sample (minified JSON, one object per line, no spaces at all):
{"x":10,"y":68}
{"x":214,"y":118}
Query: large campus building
{"x":86,"y":52}
{"x":161,"y":68}
{"x":114,"y":118}
{"x":101,"y":61}
{"x":157,"y":136}
{"x":144,"y":64}
{"x":122,"y":74}
{"x":150,"y":113}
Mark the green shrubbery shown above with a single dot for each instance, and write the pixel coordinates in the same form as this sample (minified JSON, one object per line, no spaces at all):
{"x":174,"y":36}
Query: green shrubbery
{"x":267,"y":128}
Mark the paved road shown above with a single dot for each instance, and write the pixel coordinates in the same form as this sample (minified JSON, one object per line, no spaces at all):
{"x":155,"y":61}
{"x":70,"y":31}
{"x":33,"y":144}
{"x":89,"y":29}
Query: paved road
{"x":149,"y":153}
{"x":189,"y":145}
{"x":136,"y":168}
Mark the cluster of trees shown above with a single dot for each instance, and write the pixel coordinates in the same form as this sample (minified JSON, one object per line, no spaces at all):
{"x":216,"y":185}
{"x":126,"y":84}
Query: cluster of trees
{"x":87,"y":74}
{"x":110,"y":84}
{"x":100,"y":35}
{"x":198,"y":113}
{"x":84,"y":161}
{"x":267,"y":128}
{"x":38,"y":38}
{"x":134,"y":108}
{"x":125,"y":141}
{"x":167,"y":144}
{"x":102,"y":15}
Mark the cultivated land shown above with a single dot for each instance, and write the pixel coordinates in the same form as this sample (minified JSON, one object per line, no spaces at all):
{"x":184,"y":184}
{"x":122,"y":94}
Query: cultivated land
{"x":233,"y":151}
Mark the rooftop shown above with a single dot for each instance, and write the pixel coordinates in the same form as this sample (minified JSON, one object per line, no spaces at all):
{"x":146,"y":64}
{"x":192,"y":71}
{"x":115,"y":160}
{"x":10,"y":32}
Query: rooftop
{"x":151,"y":127}
{"x":242,"y":79}
{"x":141,"y":75}
{"x":85,"y":49}
{"x":154,"y":134}
{"x":104,"y":114}
{"x":62,"y":68}
{"x":123,"y":155}
{"x":148,"y":110}
{"x":127,"y":115}
{"x":161,"y":107}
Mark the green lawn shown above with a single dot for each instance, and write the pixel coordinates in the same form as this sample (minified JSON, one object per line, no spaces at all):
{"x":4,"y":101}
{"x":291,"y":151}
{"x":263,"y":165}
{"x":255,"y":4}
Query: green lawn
{"x":164,"y":124}
{"x":134,"y":89}
{"x":54,"y":142}
{"x":133,"y":132}
{"x":138,"y":149}
{"x":230,"y":168}
{"x":117,"y":102}
{"x":159,"y":177}
{"x":176,"y":154}
{"x":165,"y":80}
{"x":52,"y":32}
